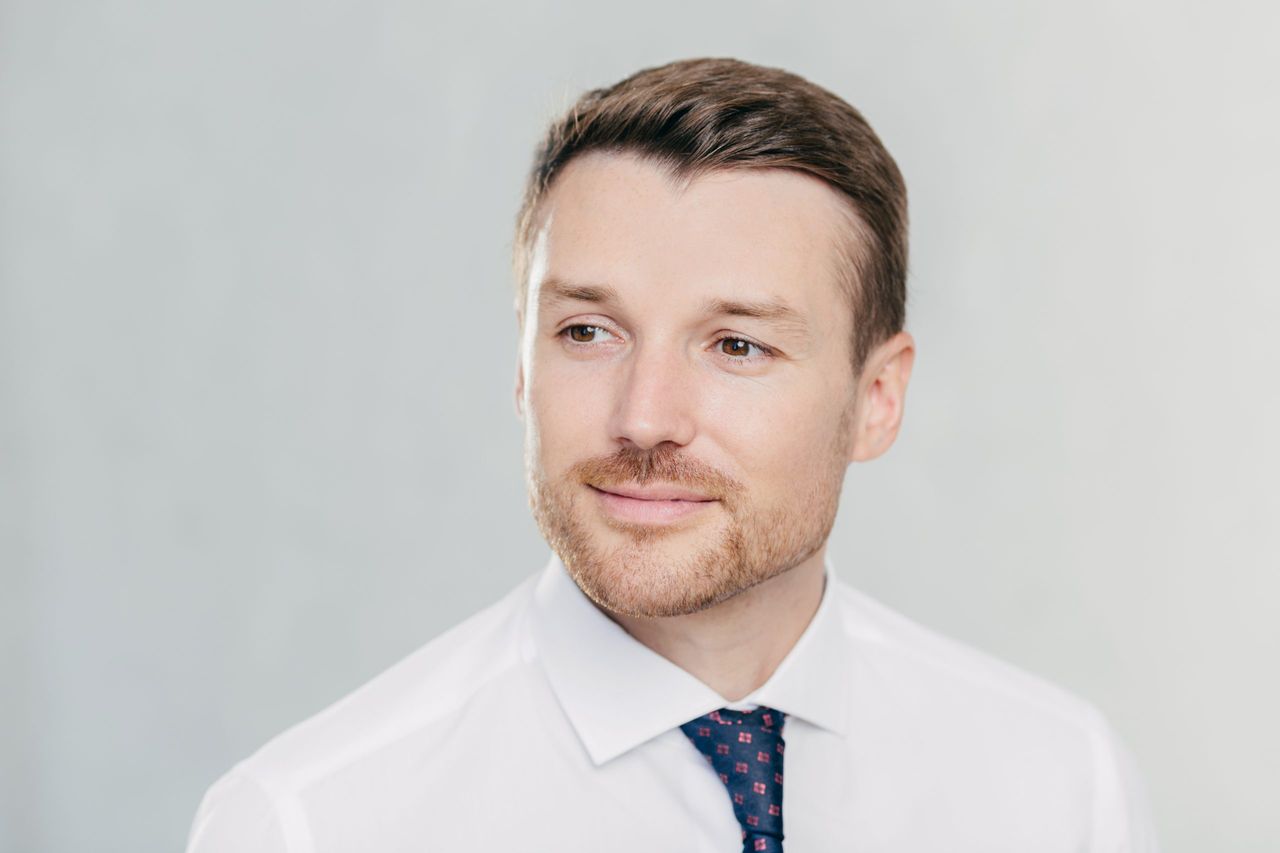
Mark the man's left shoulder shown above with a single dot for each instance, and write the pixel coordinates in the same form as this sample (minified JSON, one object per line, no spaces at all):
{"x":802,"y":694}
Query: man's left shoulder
{"x":952,"y":677}
{"x":973,"y":722}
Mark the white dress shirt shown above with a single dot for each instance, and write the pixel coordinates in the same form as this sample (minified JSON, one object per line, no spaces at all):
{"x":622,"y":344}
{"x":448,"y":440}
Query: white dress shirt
{"x":540,"y":724}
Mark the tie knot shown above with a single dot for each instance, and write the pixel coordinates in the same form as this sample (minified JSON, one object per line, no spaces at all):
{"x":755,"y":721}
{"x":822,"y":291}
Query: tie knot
{"x":761,"y":718}
{"x":745,"y":748}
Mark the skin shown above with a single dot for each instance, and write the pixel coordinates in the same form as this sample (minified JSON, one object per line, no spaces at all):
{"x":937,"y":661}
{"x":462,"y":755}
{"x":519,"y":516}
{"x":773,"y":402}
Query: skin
{"x":644,"y":389}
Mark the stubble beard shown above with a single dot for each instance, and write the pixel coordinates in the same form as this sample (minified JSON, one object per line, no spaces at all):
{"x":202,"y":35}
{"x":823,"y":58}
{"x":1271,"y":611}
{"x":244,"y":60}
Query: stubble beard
{"x":638,"y":576}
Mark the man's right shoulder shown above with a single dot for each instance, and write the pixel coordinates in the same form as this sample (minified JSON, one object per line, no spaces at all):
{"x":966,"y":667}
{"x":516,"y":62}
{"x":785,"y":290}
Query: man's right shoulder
{"x":249,"y":807}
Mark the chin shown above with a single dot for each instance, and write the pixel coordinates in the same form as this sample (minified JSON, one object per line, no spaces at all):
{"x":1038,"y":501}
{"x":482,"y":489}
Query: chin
{"x":652,"y":581}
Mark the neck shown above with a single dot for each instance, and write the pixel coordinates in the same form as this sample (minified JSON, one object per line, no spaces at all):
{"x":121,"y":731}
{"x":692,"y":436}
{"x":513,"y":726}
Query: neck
{"x":735,"y":646}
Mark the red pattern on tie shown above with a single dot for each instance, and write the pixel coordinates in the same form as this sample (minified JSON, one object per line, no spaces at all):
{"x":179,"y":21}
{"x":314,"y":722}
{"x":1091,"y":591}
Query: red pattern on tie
{"x":745,"y":749}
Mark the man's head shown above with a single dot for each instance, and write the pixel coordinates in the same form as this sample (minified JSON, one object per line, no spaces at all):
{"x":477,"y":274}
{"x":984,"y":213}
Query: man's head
{"x":710,"y":265}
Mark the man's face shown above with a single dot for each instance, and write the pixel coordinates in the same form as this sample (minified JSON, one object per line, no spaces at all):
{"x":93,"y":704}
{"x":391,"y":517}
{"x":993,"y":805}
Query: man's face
{"x":638,"y":374}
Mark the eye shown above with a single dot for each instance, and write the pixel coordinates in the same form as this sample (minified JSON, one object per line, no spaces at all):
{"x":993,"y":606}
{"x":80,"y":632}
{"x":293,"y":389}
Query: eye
{"x":740,"y":347}
{"x":587,"y":333}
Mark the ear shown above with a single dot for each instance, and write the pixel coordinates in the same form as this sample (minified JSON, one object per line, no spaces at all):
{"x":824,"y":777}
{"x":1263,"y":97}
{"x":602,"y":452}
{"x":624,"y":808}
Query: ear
{"x":882,"y":392}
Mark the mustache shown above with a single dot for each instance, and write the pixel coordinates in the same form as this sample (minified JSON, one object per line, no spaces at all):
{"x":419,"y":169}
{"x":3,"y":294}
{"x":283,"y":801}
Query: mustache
{"x":663,"y":464}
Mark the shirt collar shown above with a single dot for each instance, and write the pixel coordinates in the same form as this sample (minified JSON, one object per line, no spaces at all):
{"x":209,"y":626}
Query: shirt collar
{"x":618,"y":693}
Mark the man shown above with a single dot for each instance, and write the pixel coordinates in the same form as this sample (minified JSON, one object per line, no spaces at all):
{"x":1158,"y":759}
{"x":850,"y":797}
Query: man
{"x":711,"y":264}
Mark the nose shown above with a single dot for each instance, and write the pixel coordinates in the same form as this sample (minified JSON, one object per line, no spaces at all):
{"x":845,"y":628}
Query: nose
{"x":655,"y":399}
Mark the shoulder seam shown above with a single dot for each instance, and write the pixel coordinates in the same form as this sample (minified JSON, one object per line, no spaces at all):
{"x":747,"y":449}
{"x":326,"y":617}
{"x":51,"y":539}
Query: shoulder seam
{"x":1083,"y":715}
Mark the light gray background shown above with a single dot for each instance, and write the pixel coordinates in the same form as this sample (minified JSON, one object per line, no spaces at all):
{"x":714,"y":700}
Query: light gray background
{"x":257,"y":437}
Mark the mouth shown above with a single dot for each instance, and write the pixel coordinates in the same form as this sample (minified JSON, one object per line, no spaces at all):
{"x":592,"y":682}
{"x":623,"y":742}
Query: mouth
{"x":662,"y":509}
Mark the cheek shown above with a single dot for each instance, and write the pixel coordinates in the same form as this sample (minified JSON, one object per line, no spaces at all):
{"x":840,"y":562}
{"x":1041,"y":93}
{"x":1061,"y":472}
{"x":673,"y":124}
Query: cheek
{"x":744,"y":419}
{"x":777,"y":440}
{"x":565,"y":416}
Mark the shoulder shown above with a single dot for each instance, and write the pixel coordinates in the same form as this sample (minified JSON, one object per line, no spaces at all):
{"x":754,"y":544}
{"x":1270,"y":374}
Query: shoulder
{"x":252,"y":803}
{"x":969,"y":718}
{"x":914,"y":657}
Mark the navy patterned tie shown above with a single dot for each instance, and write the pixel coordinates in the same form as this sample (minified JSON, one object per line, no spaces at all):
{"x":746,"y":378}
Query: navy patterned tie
{"x":745,"y":748}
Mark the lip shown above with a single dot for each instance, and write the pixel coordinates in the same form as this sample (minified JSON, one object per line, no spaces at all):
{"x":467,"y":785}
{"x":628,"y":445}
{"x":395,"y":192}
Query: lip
{"x":660,"y":493}
{"x":651,"y":510}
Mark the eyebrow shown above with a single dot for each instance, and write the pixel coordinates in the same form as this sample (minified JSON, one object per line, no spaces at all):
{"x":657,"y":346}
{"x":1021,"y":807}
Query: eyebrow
{"x":775,"y":312}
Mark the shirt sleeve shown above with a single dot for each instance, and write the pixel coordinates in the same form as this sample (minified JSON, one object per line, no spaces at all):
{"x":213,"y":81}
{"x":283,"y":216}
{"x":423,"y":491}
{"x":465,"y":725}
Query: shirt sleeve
{"x":236,"y":814}
{"x":1122,"y":816}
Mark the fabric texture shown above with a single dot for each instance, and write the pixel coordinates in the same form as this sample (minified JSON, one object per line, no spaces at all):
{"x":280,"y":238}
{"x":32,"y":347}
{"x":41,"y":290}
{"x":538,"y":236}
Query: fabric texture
{"x":745,"y":748}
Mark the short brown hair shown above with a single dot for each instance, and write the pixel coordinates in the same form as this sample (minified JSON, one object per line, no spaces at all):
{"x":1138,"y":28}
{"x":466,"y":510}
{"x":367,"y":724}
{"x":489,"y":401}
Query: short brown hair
{"x":698,"y":115}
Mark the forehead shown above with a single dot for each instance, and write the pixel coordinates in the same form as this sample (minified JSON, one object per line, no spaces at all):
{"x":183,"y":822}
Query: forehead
{"x":756,"y":234}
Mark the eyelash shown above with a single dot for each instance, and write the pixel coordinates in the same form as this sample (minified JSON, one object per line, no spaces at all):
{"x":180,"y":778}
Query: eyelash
{"x":767,"y":353}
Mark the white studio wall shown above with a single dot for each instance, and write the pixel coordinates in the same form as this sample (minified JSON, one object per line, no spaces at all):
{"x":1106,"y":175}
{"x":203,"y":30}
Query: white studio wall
{"x":257,"y":433}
